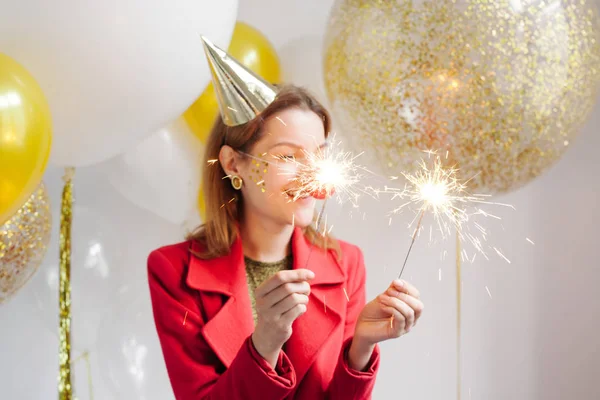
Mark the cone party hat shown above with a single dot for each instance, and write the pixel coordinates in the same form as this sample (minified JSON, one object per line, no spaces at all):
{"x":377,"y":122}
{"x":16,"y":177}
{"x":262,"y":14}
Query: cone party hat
{"x":241,"y":94}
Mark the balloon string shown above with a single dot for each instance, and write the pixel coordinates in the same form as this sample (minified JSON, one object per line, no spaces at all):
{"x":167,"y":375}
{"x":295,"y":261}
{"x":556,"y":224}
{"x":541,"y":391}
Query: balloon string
{"x":458,"y":315}
{"x":86,"y":357}
{"x":65,"y":388}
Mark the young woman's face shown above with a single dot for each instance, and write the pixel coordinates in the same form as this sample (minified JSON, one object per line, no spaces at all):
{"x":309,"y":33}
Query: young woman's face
{"x":269,"y":174}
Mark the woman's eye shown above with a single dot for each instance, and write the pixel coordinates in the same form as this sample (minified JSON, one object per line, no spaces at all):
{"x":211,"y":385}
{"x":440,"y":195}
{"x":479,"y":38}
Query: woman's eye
{"x":286,"y":157}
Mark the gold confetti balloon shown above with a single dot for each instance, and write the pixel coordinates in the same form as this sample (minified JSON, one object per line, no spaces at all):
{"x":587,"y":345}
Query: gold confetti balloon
{"x":498,"y":88}
{"x":24,"y":240}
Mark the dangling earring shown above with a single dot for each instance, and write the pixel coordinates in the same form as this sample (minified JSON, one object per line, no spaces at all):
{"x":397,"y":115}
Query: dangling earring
{"x":236,"y":182}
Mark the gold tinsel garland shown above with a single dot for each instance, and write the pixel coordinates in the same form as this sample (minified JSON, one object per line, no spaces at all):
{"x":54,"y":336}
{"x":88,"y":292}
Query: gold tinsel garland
{"x":65,"y":388}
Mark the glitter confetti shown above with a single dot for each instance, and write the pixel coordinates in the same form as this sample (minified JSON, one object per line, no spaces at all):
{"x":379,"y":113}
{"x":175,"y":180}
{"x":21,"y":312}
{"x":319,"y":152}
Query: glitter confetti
{"x":24,"y":240}
{"x":505,"y":87}
{"x":259,"y":169}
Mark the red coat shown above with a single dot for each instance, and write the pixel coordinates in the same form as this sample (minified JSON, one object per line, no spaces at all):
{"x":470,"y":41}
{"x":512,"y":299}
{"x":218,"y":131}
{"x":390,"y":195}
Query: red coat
{"x":203,"y":316}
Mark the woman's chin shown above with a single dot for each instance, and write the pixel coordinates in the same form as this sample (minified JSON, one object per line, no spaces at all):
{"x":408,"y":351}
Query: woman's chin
{"x":302,"y":218}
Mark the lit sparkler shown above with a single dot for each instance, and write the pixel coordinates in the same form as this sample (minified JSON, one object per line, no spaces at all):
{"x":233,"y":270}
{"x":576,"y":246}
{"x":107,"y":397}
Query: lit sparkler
{"x":329,"y":172}
{"x":435,"y":189}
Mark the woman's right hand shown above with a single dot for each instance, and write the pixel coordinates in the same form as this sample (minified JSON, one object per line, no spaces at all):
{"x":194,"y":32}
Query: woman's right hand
{"x":279,"y":301}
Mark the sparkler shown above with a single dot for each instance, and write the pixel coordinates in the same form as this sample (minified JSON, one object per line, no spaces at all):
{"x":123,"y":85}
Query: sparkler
{"x":435,"y":189}
{"x":326,"y":173}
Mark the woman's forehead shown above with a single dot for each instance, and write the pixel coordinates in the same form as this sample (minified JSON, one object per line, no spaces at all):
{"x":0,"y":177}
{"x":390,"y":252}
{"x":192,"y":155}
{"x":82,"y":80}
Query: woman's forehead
{"x":294,"y":126}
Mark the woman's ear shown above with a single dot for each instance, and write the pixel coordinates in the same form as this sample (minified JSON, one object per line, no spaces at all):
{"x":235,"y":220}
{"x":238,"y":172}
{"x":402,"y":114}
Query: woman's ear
{"x":229,"y":159}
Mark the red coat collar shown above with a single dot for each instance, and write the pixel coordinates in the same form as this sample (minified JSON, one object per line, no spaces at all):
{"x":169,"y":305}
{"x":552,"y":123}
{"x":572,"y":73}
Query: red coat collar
{"x":223,"y":274}
{"x":228,"y":329}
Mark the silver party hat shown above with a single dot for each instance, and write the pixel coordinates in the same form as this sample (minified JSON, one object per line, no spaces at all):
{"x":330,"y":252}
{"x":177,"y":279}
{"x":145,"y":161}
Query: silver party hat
{"x":241,"y":93}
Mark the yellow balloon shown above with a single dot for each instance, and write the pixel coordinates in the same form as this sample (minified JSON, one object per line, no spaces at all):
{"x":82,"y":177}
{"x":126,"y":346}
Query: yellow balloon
{"x":201,"y":204}
{"x":254,"y":51}
{"x":25,"y":136}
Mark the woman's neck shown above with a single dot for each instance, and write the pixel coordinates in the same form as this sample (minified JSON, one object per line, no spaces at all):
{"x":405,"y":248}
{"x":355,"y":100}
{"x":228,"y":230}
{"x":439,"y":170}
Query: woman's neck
{"x":264,"y":240}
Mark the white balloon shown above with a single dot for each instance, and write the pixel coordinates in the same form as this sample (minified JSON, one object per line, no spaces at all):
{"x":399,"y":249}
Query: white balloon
{"x":162,"y":174}
{"x":302,"y":64}
{"x":113,"y":71}
{"x":110,"y":241}
{"x":95,"y":275}
{"x":130,"y":357}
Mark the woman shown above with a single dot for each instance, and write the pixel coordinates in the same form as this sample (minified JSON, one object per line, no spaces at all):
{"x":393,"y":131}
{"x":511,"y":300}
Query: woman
{"x":255,"y":305}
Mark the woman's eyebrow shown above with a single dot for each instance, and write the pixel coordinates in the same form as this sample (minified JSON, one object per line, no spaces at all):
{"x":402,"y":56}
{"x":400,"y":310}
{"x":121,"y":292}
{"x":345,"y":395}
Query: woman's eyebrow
{"x":324,"y":144}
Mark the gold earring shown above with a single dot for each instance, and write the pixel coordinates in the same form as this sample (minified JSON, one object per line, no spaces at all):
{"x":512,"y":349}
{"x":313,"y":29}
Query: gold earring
{"x":236,"y":182}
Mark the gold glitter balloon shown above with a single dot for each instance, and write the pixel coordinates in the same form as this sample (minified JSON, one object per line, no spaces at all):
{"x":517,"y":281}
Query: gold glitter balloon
{"x":502,"y":87}
{"x":24,"y":240}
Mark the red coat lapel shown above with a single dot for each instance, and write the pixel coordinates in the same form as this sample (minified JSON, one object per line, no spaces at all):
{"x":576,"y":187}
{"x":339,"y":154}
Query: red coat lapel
{"x":327,"y":303}
{"x":230,"y":317}
{"x":230,"y":321}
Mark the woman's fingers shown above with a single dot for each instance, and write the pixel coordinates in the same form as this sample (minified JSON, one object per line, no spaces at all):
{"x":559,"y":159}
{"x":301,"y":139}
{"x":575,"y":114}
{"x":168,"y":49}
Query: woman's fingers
{"x":283,"y":291}
{"x":289,"y":302}
{"x":397,"y":324}
{"x":407,"y":312}
{"x":290,"y":316}
{"x":405,"y":287}
{"x":283,"y":277}
{"x":414,"y":303}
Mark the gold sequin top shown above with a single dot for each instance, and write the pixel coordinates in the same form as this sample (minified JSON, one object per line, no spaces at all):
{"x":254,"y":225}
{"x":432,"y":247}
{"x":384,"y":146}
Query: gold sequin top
{"x":257,"y":272}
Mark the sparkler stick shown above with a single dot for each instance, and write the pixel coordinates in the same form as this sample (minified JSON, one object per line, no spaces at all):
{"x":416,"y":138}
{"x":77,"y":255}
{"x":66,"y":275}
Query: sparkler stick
{"x":312,"y":245}
{"x":320,"y":215}
{"x":412,"y":242}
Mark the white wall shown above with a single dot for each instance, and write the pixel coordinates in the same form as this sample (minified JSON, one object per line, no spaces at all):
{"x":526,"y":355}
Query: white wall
{"x":534,"y":338}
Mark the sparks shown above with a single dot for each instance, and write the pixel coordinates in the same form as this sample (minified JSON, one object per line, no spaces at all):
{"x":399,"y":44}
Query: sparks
{"x":437,"y":190}
{"x":330,"y":172}
{"x":346,"y":293}
{"x":502,"y":255}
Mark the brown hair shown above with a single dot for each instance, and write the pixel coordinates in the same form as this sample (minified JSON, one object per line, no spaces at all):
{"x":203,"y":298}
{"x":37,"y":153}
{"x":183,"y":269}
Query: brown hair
{"x":219,"y":231}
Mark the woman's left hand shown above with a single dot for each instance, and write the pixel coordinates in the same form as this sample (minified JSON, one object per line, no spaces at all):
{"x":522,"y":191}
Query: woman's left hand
{"x":390,"y":315}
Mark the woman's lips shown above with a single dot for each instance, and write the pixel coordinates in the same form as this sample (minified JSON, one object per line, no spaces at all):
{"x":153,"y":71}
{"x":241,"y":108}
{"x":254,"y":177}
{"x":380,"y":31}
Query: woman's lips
{"x":298,"y":197}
